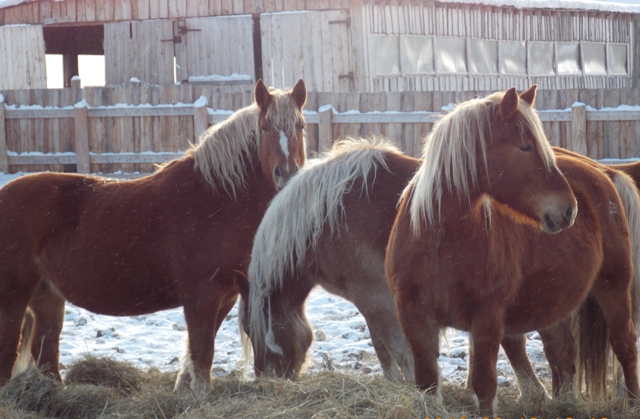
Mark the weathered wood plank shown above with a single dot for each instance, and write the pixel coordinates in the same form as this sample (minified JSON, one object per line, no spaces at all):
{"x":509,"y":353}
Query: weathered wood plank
{"x":81,"y":125}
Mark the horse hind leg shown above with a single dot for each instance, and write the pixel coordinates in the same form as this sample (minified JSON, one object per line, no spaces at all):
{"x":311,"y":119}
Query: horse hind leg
{"x":11,"y":315}
{"x":613,"y":297}
{"x":48,"y":308}
{"x":25,"y":359}
{"x":531,"y":389}
{"x":559,"y":349}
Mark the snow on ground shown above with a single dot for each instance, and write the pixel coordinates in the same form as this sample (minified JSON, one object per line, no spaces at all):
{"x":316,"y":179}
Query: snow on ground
{"x":342,"y":341}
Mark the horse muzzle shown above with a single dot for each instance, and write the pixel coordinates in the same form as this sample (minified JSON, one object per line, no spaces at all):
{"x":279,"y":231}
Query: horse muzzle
{"x":282,"y":176}
{"x":556,"y":219}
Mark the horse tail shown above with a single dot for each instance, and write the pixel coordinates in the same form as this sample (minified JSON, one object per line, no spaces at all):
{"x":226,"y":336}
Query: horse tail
{"x":628,"y":192}
{"x":593,"y":348}
{"x":25,"y":359}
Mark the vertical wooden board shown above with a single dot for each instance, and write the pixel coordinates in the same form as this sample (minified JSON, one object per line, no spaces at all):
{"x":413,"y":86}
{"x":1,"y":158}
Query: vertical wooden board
{"x":341,"y":35}
{"x":295,"y":29}
{"x":182,"y":8}
{"x":277,"y":55}
{"x":287,"y":49}
{"x":154,"y":9}
{"x":173,"y":8}
{"x":70,"y":12}
{"x":351,"y":101}
{"x":143,"y":10}
{"x":306,"y":39}
{"x":163,"y":8}
{"x":315,"y":48}
{"x":90,"y":10}
{"x":408,"y":136}
{"x":267,"y":60}
{"x":611,"y":129}
{"x":44,"y":8}
{"x":327,"y":53}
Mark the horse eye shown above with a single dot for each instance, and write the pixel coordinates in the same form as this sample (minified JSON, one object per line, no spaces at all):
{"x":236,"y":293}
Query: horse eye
{"x":265,"y":129}
{"x":526,"y":148}
{"x":301,"y":126}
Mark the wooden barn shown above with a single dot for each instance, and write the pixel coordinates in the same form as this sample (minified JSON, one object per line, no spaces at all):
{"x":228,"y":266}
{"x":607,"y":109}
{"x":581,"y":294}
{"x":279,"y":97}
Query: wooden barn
{"x":335,"y":45}
{"x":385,"y":67}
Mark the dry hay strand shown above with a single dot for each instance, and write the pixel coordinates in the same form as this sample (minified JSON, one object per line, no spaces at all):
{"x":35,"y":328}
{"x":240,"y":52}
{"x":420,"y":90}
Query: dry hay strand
{"x":330,"y":395}
{"x":105,"y":372}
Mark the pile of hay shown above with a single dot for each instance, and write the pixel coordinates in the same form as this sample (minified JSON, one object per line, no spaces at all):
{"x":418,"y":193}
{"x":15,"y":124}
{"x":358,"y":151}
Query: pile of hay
{"x":104,"y":388}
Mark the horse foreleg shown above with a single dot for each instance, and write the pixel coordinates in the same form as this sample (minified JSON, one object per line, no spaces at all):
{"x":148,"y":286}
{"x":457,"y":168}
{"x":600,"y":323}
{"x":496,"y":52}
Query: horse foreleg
{"x":558,"y":344}
{"x":202,"y":326}
{"x":531,"y":389}
{"x":48,"y":308}
{"x":487,"y":334}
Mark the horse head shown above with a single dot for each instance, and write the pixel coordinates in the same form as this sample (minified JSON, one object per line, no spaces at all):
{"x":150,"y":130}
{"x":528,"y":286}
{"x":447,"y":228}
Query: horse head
{"x":279,"y":332}
{"x":281,"y":137}
{"x":520,"y":164}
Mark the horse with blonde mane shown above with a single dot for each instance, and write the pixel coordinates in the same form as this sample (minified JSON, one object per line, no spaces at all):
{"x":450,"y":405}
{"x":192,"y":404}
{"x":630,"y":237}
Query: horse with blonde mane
{"x":298,"y":247}
{"x":328,"y":227}
{"x":125,"y":248}
{"x":488,"y":239}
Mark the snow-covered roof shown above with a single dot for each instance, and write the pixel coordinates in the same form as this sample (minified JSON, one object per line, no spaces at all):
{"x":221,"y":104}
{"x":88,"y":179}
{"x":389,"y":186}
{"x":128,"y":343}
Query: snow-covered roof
{"x":624,"y":6}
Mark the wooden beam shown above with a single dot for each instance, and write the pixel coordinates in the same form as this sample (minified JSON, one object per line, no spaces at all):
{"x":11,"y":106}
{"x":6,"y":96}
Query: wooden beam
{"x":325,"y":128}
{"x":579,"y":128}
{"x":200,"y":117}
{"x":81,"y":126}
{"x":4,"y":163}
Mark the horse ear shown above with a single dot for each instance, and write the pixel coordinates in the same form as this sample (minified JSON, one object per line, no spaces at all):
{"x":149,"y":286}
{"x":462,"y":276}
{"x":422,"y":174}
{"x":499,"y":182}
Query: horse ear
{"x":299,"y":93}
{"x":262,"y":95}
{"x":509,"y":103}
{"x":530,"y":95}
{"x":241,"y":282}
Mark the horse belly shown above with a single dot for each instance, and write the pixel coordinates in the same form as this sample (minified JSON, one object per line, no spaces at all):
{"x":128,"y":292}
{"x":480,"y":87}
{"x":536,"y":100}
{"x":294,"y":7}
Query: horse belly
{"x":104,"y":287}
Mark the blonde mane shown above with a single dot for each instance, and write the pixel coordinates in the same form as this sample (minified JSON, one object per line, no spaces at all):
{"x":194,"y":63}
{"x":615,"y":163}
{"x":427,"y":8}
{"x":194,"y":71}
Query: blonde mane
{"x":297,"y":217}
{"x":449,"y":154}
{"x":221,"y":151}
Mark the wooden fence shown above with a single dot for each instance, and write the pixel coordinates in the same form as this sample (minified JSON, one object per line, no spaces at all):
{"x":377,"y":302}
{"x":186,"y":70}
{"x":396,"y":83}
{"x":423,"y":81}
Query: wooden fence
{"x":133,"y":129}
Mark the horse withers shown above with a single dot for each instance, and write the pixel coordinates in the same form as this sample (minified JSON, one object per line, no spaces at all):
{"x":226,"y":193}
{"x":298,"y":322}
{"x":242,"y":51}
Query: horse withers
{"x":489,"y":239}
{"x":131,"y":247}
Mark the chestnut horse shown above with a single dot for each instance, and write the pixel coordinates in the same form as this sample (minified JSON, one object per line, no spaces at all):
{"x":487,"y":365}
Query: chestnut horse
{"x":170,"y":239}
{"x":482,"y":241}
{"x":287,"y":263}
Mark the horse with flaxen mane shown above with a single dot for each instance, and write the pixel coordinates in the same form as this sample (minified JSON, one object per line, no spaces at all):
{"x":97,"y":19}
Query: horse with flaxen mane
{"x":328,"y":227}
{"x":131,"y":247}
{"x":338,"y":240}
{"x":489,"y":239}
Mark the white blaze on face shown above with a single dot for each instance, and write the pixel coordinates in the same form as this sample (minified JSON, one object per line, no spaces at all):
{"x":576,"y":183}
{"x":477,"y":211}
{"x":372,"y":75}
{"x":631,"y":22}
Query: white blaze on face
{"x":284,"y":144}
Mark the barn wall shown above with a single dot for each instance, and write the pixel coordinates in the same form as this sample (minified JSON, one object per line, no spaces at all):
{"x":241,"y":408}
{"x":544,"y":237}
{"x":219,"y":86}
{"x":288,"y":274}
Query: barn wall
{"x":494,"y":23}
{"x":22,"y":63}
{"x":89,"y":11}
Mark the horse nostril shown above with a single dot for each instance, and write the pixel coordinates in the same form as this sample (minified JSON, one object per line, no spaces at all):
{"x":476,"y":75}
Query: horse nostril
{"x":569,"y":212}
{"x":277,"y":172}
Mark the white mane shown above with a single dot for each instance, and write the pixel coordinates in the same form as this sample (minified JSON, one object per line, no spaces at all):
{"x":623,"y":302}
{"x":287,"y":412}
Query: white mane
{"x":223,"y":151}
{"x":296,"y":219}
{"x":449,"y":154}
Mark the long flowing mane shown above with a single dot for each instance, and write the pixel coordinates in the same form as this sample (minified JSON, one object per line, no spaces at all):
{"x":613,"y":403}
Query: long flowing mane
{"x":449,"y":153}
{"x":221,"y":151}
{"x":296,"y":219}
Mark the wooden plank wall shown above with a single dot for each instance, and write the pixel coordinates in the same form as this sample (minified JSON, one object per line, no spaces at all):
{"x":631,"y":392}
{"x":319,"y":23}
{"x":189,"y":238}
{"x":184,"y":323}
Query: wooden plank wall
{"x":22,"y":63}
{"x":605,"y":139}
{"x":497,"y":23}
{"x":137,"y":49}
{"x":218,"y":45}
{"x":68,"y":11}
{"x":310,"y":45}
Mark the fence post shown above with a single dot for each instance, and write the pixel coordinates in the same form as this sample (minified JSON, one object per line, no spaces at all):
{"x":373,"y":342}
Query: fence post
{"x":81,"y":124}
{"x":4,"y":159}
{"x":200,"y":117}
{"x":325,"y":129}
{"x":579,"y":128}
